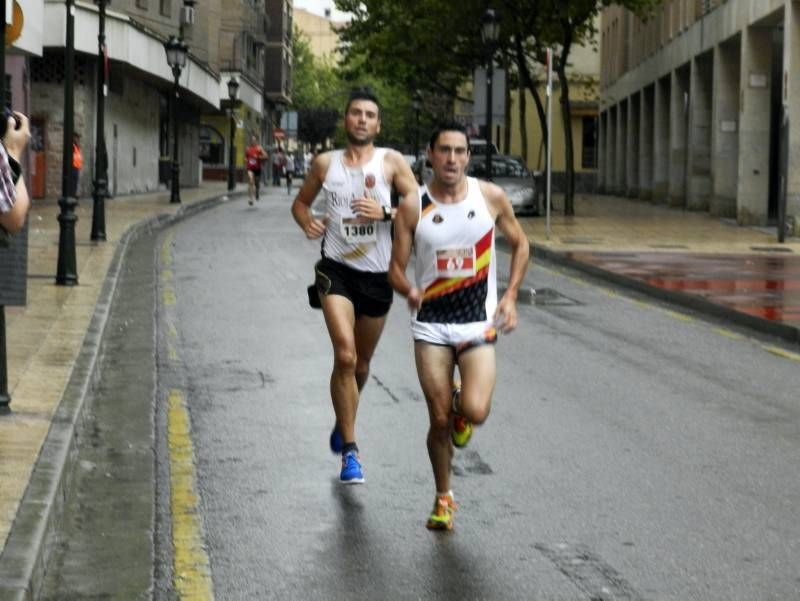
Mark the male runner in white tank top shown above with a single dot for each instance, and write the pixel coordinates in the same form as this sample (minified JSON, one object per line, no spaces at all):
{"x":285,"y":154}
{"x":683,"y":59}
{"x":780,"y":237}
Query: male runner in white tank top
{"x":455,"y":310}
{"x":350,"y":278}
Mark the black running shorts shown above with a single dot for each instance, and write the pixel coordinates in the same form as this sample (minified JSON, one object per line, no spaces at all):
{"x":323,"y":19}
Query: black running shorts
{"x":369,"y":292}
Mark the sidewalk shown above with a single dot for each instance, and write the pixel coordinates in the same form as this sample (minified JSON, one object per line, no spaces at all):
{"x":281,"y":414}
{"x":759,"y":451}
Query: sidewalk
{"x":741,"y":274}
{"x":52,"y":344}
{"x":737,"y":272}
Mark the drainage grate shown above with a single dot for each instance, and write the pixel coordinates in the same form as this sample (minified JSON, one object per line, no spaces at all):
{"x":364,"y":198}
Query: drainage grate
{"x":772,"y":249}
{"x":581,"y":240}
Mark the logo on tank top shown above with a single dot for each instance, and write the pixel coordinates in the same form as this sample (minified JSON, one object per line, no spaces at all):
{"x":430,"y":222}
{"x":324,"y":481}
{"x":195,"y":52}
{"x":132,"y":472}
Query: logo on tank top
{"x":438,"y":218}
{"x":471,"y":214}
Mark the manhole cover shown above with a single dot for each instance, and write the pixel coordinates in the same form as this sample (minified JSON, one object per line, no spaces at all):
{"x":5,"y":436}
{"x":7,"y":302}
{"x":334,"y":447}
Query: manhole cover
{"x":581,"y":240}
{"x":540,"y":296}
{"x":551,"y":297}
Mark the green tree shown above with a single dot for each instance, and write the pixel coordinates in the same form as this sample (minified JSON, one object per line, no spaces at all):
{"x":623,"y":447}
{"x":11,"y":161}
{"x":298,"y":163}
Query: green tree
{"x":427,"y":45}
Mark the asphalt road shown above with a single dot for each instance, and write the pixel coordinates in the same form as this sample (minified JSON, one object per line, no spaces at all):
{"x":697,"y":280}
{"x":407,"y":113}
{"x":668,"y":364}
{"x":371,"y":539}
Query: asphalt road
{"x":632,"y":452}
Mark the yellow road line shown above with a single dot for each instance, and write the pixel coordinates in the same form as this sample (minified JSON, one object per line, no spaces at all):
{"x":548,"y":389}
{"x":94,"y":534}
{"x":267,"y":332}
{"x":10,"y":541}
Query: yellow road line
{"x":680,"y":316}
{"x":166,"y":249}
{"x":728,"y":334}
{"x":782,"y":353}
{"x":192,"y":569}
{"x":166,"y":275}
{"x":169,"y":296}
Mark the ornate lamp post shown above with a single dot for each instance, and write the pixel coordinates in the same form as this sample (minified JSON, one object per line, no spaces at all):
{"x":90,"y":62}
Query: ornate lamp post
{"x":416,"y":103}
{"x":490,"y":33}
{"x":67,"y":270}
{"x":233,"y":90}
{"x":176,"y":51}
{"x":100,"y":184}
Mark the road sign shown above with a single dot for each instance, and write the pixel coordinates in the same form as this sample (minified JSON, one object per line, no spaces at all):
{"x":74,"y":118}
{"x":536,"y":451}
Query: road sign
{"x":14,"y":26}
{"x":279,"y":134}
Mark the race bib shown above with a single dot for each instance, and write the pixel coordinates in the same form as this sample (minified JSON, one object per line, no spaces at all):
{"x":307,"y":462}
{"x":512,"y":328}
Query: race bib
{"x":356,"y":231}
{"x":455,"y":262}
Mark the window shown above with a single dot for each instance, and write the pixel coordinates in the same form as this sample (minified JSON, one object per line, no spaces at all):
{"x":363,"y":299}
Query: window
{"x":212,"y":146}
{"x":165,"y":8}
{"x":589,"y":143}
{"x":141,"y":4}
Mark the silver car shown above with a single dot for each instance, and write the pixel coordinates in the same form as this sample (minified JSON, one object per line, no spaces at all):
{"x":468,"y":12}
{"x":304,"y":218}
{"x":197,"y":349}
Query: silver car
{"x":511,"y":174}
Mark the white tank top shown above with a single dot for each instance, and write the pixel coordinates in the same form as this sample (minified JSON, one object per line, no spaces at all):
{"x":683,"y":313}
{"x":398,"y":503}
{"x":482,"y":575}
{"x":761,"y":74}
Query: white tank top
{"x":363,"y":246}
{"x":455,"y":264}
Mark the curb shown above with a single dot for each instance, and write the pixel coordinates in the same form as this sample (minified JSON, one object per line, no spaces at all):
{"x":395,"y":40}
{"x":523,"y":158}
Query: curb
{"x":23,"y":560}
{"x":758,"y":324}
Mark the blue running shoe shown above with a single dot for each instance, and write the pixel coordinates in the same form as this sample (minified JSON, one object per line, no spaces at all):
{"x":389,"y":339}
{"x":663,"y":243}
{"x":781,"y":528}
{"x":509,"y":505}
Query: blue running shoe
{"x":351,"y":469}
{"x":336,"y":441}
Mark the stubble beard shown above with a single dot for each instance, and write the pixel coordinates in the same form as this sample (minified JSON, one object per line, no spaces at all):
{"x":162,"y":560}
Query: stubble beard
{"x":359,"y":141}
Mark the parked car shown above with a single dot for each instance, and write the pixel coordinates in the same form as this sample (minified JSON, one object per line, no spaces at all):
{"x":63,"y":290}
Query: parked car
{"x":511,"y":174}
{"x":422,"y":170}
{"x":477,"y":147}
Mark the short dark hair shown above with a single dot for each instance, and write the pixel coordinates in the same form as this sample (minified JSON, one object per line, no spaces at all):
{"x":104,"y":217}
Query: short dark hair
{"x":447,"y":126}
{"x":362,"y":94}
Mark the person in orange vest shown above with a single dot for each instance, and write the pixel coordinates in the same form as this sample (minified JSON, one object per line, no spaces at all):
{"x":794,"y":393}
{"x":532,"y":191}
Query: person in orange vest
{"x":77,"y":163}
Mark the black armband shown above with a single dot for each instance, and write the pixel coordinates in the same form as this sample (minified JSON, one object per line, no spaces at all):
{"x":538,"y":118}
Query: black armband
{"x":16,"y":169}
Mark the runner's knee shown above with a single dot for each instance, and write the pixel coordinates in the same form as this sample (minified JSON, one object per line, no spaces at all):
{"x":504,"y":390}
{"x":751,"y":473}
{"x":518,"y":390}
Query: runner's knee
{"x":344,"y":359}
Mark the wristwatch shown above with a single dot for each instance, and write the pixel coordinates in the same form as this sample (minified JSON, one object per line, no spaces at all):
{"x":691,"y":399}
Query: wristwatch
{"x":387,"y":214}
{"x":16,"y":169}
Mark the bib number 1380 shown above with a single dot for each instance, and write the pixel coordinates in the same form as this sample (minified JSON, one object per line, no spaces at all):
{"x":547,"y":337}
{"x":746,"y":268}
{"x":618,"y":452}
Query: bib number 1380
{"x":354,"y":231}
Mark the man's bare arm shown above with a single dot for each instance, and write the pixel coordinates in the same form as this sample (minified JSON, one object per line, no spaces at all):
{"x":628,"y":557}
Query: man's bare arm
{"x":506,"y":314}
{"x":405,"y":222}
{"x":301,"y":207}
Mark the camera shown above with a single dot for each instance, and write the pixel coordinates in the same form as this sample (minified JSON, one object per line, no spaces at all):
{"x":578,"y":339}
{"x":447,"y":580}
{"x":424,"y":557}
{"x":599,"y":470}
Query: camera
{"x":7,"y":113}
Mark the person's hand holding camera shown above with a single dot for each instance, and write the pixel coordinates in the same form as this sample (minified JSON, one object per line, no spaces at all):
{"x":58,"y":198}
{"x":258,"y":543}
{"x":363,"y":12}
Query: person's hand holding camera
{"x":17,"y":134}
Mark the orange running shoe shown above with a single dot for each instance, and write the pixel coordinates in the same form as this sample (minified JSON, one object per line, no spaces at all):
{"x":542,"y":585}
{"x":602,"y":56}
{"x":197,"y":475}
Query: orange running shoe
{"x":441,"y":517}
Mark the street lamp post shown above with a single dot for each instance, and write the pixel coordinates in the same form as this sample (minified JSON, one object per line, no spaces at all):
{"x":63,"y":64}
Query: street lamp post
{"x":490,"y":33}
{"x":100,"y":184}
{"x":176,"y":51}
{"x":416,"y":103}
{"x":67,"y":270}
{"x":233,"y":89}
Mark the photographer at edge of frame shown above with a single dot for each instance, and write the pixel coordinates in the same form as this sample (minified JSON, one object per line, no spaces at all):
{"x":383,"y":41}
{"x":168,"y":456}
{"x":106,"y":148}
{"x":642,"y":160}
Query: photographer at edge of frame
{"x":14,"y":199}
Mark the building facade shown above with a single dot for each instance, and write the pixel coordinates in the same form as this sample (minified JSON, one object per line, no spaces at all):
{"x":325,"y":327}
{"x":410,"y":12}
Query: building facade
{"x":226,"y":38}
{"x":700,"y":108}
{"x":583,"y":74}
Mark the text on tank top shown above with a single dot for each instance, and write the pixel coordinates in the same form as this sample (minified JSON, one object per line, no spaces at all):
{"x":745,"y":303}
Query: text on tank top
{"x":362,"y":244}
{"x":455,"y":267}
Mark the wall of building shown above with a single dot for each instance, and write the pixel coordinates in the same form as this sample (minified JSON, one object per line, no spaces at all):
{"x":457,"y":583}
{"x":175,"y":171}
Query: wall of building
{"x":320,"y":31}
{"x":723,"y":76}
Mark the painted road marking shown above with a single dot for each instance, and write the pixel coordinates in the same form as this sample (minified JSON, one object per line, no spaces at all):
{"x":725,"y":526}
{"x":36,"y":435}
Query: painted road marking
{"x":680,"y":316}
{"x":166,"y":249}
{"x":782,"y":353}
{"x":728,"y":333}
{"x":192,"y":568}
{"x":777,"y":351}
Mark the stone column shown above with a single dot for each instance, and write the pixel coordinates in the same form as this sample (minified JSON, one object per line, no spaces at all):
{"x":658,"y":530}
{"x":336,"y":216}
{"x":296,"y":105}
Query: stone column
{"x":791,"y":99}
{"x":622,"y":140}
{"x":699,"y":147}
{"x":661,"y":129}
{"x":752,"y":191}
{"x":646,"y":143}
{"x":601,"y":153}
{"x":611,"y":151}
{"x":678,"y":137}
{"x":725,"y":130}
{"x":632,"y":147}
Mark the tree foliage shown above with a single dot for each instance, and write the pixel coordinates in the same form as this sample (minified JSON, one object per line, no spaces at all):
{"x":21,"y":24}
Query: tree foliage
{"x":435,"y":46}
